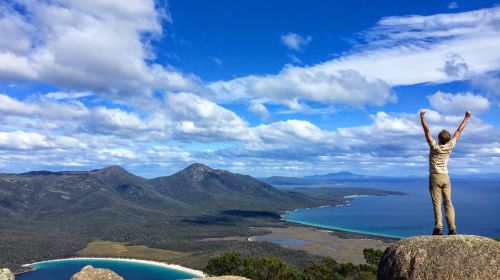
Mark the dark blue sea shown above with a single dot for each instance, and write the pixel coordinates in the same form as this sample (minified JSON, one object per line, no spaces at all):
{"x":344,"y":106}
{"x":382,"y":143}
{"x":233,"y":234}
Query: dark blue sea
{"x":476,"y":202}
{"x":64,"y":269}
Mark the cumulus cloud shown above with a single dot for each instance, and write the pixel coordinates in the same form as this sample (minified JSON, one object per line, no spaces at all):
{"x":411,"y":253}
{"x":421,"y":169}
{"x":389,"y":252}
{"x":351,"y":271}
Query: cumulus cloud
{"x":259,"y":108}
{"x":41,"y":107}
{"x":101,"y":46}
{"x":295,"y":41}
{"x":390,"y":142}
{"x":181,"y":116}
{"x":126,"y":138}
{"x":31,"y":140}
{"x":197,"y":118}
{"x":295,"y":83}
{"x":455,"y":66}
{"x":395,"y":139}
{"x":458,"y":103}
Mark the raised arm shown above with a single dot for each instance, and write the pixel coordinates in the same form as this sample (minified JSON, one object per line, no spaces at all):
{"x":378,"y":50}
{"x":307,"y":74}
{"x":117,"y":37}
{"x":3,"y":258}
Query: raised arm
{"x":462,"y":126}
{"x":427,"y":131}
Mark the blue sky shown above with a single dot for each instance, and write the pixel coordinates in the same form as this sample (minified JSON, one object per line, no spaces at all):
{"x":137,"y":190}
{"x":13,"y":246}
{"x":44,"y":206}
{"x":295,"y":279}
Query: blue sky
{"x":256,"y":87}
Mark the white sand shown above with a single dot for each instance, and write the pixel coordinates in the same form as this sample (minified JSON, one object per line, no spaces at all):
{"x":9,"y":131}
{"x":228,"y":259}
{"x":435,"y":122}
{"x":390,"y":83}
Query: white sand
{"x":172,"y":266}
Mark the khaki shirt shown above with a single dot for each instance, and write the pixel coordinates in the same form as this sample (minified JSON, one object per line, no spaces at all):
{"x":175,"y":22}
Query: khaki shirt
{"x":439,"y":155}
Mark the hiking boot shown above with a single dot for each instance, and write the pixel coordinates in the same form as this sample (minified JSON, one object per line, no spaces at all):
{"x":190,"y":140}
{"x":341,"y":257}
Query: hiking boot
{"x":437,"y":231}
{"x":452,"y":232}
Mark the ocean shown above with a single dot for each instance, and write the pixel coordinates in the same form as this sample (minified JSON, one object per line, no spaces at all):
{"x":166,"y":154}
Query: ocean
{"x":64,"y":269}
{"x":476,"y":202}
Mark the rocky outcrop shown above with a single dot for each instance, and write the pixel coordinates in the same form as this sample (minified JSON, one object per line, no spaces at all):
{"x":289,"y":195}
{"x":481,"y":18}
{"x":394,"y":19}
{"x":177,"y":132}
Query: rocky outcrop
{"x":223,"y":278}
{"x":6,"y":274}
{"x":441,"y":257}
{"x":90,"y":273}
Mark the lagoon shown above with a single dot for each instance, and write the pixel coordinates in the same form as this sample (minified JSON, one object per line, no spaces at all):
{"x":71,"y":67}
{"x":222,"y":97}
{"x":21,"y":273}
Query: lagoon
{"x":129,"y":269}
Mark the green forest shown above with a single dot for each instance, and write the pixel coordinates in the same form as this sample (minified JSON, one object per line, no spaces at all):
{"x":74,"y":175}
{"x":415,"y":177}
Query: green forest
{"x":267,"y":267}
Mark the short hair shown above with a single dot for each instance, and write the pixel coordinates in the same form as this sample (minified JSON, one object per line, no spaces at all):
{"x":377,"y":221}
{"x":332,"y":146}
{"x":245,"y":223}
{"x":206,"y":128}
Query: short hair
{"x":444,"y":136}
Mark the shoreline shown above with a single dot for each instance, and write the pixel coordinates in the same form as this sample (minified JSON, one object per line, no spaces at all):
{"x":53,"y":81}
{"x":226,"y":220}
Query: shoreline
{"x":333,"y":229}
{"x":339,"y":230}
{"x":197,"y":273}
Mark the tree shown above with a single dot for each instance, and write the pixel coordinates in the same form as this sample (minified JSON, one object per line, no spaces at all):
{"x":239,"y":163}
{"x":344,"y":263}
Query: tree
{"x":372,"y":256}
{"x":264,"y":268}
{"x":227,"y":264}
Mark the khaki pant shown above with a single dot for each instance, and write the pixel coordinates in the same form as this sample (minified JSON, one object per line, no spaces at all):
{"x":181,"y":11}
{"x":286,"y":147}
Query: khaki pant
{"x":440,"y":187}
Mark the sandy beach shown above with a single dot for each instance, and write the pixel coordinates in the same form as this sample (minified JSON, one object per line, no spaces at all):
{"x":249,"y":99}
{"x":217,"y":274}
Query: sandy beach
{"x":197,"y":273}
{"x":328,"y":243}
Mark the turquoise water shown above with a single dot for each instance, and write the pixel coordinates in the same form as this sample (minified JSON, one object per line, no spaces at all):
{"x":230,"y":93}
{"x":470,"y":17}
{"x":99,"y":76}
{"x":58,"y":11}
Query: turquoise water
{"x":476,"y":205}
{"x":64,"y":269}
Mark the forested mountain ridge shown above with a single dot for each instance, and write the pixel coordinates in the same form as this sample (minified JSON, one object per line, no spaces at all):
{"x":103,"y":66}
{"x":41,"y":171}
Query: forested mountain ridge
{"x":43,"y":194}
{"x":46,"y":215}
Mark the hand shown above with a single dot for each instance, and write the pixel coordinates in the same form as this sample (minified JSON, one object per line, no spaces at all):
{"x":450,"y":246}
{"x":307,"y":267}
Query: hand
{"x":468,"y":114}
{"x":422,"y":113}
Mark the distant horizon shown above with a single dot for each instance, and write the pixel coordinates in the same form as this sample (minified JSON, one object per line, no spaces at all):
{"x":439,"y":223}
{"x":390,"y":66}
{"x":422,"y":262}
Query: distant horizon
{"x":461,"y":176}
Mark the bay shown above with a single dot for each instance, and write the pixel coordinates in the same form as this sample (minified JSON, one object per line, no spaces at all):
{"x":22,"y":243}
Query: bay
{"x":476,"y":203}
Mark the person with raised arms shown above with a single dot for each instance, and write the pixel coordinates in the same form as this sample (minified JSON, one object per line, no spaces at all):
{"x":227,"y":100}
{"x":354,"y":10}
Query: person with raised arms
{"x":439,"y":181}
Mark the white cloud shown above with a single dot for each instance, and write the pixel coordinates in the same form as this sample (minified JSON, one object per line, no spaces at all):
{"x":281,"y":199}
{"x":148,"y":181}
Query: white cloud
{"x":455,"y":66}
{"x":295,"y":83}
{"x":182,"y":116}
{"x":289,"y":131}
{"x":101,"y":46}
{"x":115,"y":119}
{"x":107,"y":154}
{"x":194,"y":117}
{"x":41,"y":107}
{"x":394,"y":139}
{"x":31,"y":140}
{"x":390,"y":142}
{"x":57,"y":113}
{"x":60,"y":95}
{"x":143,"y":142}
{"x":295,"y":41}
{"x":458,"y":103}
{"x":403,"y":50}
{"x":259,"y":108}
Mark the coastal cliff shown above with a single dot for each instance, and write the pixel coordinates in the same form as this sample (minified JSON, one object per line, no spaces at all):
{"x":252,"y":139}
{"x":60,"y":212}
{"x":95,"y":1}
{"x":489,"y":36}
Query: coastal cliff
{"x":441,"y":257}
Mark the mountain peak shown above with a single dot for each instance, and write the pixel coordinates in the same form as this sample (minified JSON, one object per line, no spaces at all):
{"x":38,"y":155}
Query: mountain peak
{"x":197,"y":171}
{"x":198,"y":167}
{"x":112,"y":170}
